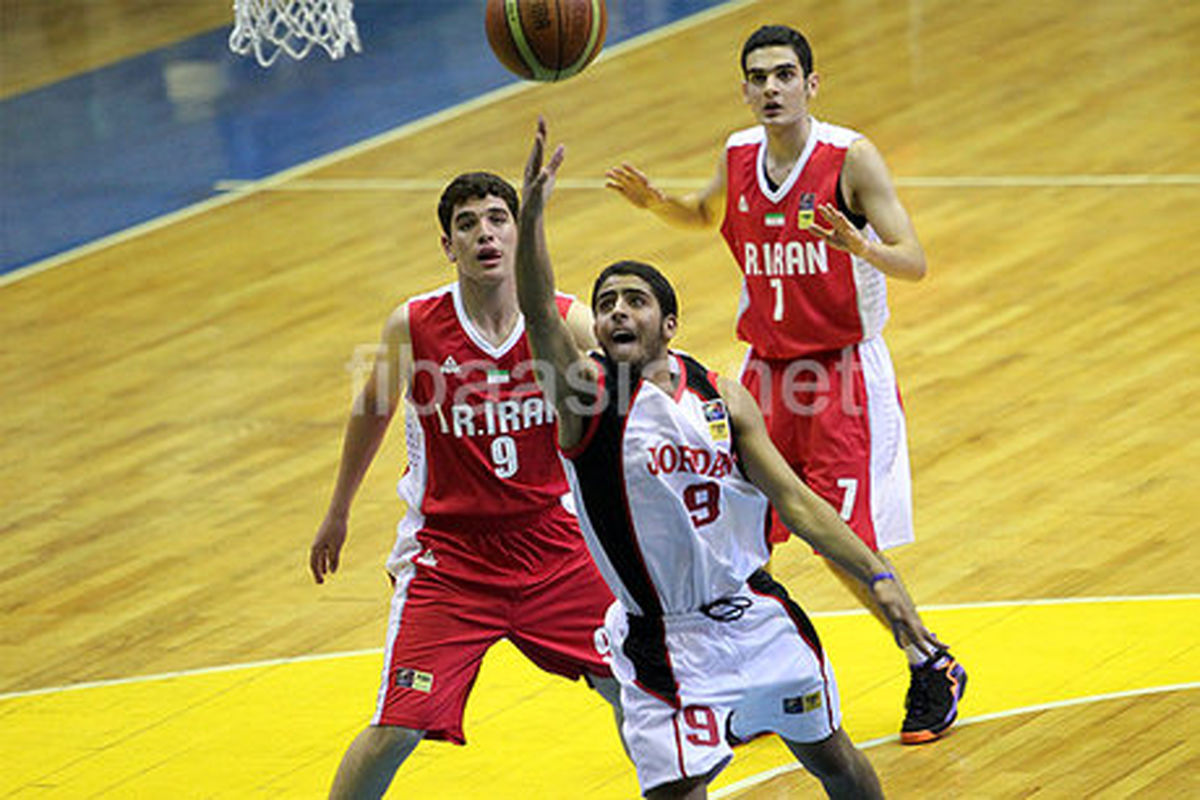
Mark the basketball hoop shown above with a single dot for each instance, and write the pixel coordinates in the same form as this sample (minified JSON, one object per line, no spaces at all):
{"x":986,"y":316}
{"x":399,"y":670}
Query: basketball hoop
{"x":270,"y":27}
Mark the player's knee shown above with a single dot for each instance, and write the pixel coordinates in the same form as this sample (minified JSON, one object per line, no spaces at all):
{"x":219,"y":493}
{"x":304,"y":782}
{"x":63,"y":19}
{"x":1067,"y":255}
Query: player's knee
{"x":608,"y":688}
{"x":678,"y":790}
{"x":832,"y":758}
{"x":393,"y":742}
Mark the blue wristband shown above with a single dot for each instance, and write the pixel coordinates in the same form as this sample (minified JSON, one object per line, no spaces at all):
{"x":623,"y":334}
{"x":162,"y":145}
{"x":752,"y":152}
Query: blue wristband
{"x":882,"y":576}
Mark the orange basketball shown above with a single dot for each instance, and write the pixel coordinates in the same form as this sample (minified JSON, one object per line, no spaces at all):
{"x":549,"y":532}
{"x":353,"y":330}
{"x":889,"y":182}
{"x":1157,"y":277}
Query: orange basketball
{"x":546,"y":40}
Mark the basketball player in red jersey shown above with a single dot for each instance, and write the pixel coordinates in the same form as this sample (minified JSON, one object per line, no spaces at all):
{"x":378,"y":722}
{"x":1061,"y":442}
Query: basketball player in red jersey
{"x":810,"y":214}
{"x":488,"y":548}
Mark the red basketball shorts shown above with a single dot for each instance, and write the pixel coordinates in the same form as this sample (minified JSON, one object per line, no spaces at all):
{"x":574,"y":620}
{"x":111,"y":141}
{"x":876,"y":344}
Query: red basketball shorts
{"x":837,"y":418}
{"x":459,"y":592}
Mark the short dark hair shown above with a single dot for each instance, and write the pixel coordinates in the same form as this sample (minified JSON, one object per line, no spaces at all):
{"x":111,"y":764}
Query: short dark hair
{"x":780,"y":35}
{"x":659,"y":285}
{"x":474,"y":185}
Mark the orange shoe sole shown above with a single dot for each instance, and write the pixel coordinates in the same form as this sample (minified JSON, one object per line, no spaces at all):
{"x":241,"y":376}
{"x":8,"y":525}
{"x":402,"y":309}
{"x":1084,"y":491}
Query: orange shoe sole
{"x":919,"y":737}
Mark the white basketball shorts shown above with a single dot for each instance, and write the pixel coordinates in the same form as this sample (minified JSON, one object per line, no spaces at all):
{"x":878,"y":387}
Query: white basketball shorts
{"x":691,"y":682}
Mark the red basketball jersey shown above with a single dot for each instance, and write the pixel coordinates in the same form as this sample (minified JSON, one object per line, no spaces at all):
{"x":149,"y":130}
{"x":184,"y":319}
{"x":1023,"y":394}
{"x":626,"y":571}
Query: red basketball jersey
{"x":482,"y":439}
{"x":799,"y":295}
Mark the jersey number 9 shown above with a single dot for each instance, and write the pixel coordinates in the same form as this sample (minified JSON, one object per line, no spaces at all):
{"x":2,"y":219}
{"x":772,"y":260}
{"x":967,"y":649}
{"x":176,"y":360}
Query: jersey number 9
{"x":504,"y":456}
{"x":703,"y":502}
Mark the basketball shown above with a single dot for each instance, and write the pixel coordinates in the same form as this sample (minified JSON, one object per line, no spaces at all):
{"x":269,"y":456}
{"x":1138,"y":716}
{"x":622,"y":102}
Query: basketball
{"x":546,"y":40}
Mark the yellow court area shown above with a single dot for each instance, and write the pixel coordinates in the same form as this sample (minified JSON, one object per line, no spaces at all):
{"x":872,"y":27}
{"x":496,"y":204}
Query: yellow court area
{"x":174,"y":401}
{"x":274,"y":729}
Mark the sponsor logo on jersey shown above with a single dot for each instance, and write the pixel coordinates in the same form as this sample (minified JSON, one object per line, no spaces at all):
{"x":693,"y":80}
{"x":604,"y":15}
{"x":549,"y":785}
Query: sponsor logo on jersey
{"x":450,"y":366}
{"x":808,"y":202}
{"x":743,"y":206}
{"x":803,"y":704}
{"x":497,"y":376}
{"x":773,"y":219}
{"x":407,"y":678}
{"x":718,"y":420}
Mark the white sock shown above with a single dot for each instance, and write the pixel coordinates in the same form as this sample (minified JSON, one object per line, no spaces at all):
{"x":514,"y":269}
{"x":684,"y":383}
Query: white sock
{"x":916,"y":656}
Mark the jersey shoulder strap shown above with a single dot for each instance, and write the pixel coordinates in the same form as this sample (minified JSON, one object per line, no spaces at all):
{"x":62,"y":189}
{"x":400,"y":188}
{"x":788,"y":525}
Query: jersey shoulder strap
{"x":699,"y":378}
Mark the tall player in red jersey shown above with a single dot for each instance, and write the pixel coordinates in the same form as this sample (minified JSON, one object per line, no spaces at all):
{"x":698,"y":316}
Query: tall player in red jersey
{"x":488,"y":548}
{"x":810,"y":214}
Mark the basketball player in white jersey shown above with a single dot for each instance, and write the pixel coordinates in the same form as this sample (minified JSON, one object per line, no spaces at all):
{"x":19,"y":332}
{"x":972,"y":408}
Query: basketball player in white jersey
{"x":813,"y":307}
{"x":672,"y":469}
{"x":487,"y":549}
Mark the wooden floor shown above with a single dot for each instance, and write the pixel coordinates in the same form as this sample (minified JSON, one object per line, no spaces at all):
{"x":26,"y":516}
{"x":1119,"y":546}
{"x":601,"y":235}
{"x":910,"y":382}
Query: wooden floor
{"x":173,"y":405}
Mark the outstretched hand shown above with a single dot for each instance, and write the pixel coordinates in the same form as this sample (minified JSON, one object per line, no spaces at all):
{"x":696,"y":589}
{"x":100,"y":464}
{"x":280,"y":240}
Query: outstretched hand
{"x":539,"y":177}
{"x":632,"y":184}
{"x":325,"y":553}
{"x":841,"y":233}
{"x":907,"y":627}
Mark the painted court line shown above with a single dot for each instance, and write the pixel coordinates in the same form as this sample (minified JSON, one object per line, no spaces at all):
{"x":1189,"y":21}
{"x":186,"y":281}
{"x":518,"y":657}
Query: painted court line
{"x":189,"y":673}
{"x":767,"y":775}
{"x":1049,"y":181}
{"x":276,"y":184}
{"x":400,"y":132}
{"x":377,"y":650}
{"x":1052,"y":601}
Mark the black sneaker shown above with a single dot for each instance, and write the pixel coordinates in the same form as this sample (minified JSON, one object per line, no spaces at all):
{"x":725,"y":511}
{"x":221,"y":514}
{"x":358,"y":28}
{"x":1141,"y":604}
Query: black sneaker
{"x":932,"y":701}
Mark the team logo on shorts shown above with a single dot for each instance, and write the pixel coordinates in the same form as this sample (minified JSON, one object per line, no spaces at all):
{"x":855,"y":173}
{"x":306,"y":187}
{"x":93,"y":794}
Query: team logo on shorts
{"x":718,"y":419}
{"x":808,"y":202}
{"x":803,"y":704}
{"x":414,"y":679}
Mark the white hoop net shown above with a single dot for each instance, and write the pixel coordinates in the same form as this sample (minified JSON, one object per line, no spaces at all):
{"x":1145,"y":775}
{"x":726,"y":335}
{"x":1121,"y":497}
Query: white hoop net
{"x":267,"y":28}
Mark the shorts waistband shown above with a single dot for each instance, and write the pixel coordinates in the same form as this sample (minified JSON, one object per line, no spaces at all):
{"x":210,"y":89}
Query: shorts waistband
{"x":723,"y":609}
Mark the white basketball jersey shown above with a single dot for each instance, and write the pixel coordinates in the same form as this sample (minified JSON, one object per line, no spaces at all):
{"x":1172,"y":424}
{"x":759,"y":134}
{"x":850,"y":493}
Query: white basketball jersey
{"x":670,"y":519}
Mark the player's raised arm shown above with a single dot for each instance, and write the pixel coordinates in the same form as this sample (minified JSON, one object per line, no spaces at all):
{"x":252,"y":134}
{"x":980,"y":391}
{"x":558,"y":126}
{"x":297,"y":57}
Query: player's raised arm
{"x":369,"y":418}
{"x":814,"y":520}
{"x":582,"y":325}
{"x":563,"y":370}
{"x":700,"y":209}
{"x":868,"y":188}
